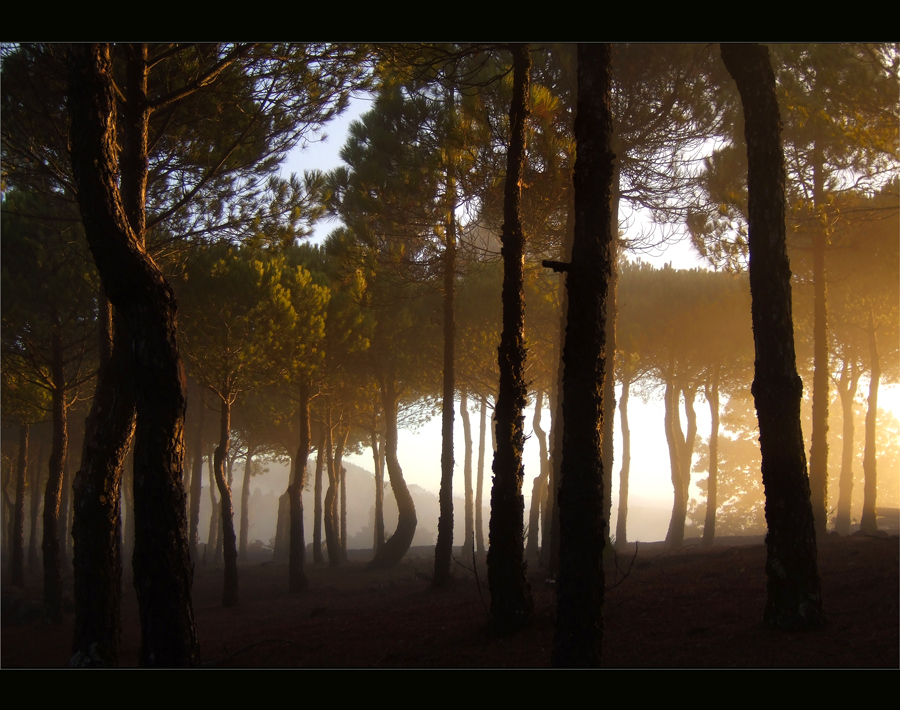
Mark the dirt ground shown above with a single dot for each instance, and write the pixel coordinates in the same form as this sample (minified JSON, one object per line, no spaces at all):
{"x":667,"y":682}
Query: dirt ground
{"x":695,"y":607}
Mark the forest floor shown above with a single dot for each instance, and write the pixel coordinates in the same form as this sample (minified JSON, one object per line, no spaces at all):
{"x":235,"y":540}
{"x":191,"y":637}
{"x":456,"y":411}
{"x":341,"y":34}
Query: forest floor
{"x":694,"y":607}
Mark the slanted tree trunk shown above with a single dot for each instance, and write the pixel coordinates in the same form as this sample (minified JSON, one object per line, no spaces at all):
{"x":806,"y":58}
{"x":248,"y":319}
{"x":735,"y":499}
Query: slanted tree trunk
{"x":17,"y":554}
{"x":675,"y":533}
{"x":625,"y":471}
{"x":712,"y":398}
{"x":794,"y":597}
{"x":580,"y":587}
{"x":479,"y":479}
{"x":511,"y":603}
{"x":332,"y":531}
{"x":213,"y":533}
{"x":396,"y":546}
{"x":847,"y":388}
{"x":297,"y":581}
{"x":226,"y":507}
{"x":869,"y":522}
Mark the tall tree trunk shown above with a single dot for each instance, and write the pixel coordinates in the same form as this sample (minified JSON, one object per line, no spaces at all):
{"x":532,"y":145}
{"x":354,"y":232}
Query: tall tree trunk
{"x":511,"y":603}
{"x":343,"y":514}
{"x":97,"y":527}
{"x":443,"y":551}
{"x":869,"y":521}
{"x":818,"y":453}
{"x":469,"y":538}
{"x":196,"y":474}
{"x":213,"y":512}
{"x":245,"y":503}
{"x":609,"y":391}
{"x":139,"y":292}
{"x":17,"y":564}
{"x":322,"y":456}
{"x":579,"y":627}
{"x":51,"y":543}
{"x":397,"y":545}
{"x":794,"y":597}
{"x":33,"y":556}
{"x":532,"y":551}
{"x":297,"y":581}
{"x":712,"y":398}
{"x":675,"y":533}
{"x":226,"y":507}
{"x":332,"y":542}
{"x":847,"y":388}
{"x":625,"y":471}
{"x":479,"y":479}
{"x":379,"y":492}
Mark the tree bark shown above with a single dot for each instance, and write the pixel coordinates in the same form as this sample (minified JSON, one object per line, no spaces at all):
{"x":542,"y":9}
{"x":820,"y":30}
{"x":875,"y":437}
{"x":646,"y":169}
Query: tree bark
{"x":511,"y":603}
{"x":675,"y":533}
{"x":50,"y":545}
{"x":479,"y":480}
{"x":579,"y":628}
{"x":245,"y":503}
{"x":226,"y":507}
{"x":469,"y":539}
{"x":214,"y":517}
{"x":379,"y":492}
{"x":538,"y":486}
{"x":869,"y":522}
{"x":321,"y":458}
{"x":397,"y":545}
{"x":625,"y":471}
{"x":297,"y":581}
{"x":196,"y":475}
{"x":794,"y":598}
{"x":847,"y":388}
{"x":97,"y":527}
{"x":712,"y":397}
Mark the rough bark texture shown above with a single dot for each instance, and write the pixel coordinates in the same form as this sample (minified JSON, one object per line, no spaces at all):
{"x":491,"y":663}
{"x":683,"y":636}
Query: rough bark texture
{"x":97,"y":527}
{"x":511,"y":603}
{"x":140,"y":294}
{"x":397,"y":545}
{"x":794,"y":598}
{"x":847,"y":389}
{"x":297,"y":581}
{"x":580,"y":586}
{"x":869,"y":522}
{"x":625,"y":471}
{"x":226,"y":507}
{"x":443,"y":551}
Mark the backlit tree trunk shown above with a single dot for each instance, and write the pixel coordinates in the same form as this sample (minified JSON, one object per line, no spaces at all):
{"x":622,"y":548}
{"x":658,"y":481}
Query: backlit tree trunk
{"x":794,"y":598}
{"x":625,"y":471}
{"x":712,"y":397}
{"x":532,"y":552}
{"x":469,"y":539}
{"x":847,"y":389}
{"x":321,"y":458}
{"x":869,"y":521}
{"x":226,"y":507}
{"x":297,"y":581}
{"x":479,"y":479}
{"x":17,"y":564}
{"x":511,"y":603}
{"x":50,"y":545}
{"x":136,"y":288}
{"x":579,"y":627}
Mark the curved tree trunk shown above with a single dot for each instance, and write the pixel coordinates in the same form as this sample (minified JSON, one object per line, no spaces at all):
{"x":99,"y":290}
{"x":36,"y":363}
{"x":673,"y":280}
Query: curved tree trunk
{"x":379,"y":492}
{"x":580,"y":587}
{"x":229,"y":539}
{"x":511,"y":603}
{"x":397,"y":545}
{"x":869,"y":522}
{"x":675,"y":533}
{"x":625,"y":471}
{"x":847,"y":389}
{"x":213,"y":532}
{"x":538,"y":486}
{"x":332,"y":543}
{"x":297,"y":581}
{"x":712,"y":397}
{"x":794,"y":597}
{"x":479,"y":480}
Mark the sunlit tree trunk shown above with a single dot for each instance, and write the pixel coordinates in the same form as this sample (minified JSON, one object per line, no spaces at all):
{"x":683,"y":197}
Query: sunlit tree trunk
{"x":869,"y":521}
{"x":479,"y":479}
{"x":847,"y":388}
{"x":712,"y":397}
